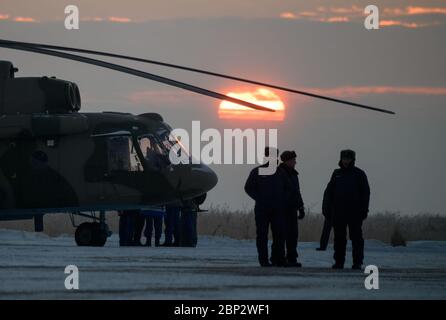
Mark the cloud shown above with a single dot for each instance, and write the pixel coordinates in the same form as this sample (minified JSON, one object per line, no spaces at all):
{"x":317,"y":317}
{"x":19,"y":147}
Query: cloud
{"x":356,"y":14}
{"x":288,"y":15}
{"x":95,"y":19}
{"x":352,"y":91}
{"x":174,"y":97}
{"x":308,"y":14}
{"x":347,"y":10}
{"x":425,"y":10}
{"x":390,"y":23}
{"x":25,"y":19}
{"x":4,"y":16}
{"x":162,"y":96}
{"x":413,"y":11}
{"x":313,"y":16}
{"x":337,"y":19}
{"x":410,"y":25}
{"x":109,"y":19}
{"x":120,"y":19}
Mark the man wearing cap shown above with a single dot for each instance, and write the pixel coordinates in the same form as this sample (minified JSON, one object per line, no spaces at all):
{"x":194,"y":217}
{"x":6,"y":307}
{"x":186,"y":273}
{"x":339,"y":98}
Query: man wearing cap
{"x":267,"y":191}
{"x":346,"y":204}
{"x":293,"y":205}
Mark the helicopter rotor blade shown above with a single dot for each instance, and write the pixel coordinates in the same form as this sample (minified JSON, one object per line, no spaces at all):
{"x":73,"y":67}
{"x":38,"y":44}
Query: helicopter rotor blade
{"x":170,"y":65}
{"x":135,"y":72}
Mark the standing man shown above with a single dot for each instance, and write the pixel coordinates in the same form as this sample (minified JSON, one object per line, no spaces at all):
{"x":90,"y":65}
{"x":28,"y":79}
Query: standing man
{"x":172,"y":226}
{"x":127,"y":227}
{"x":267,"y":190}
{"x":139,"y":221}
{"x":346,"y":204}
{"x":293,"y":205}
{"x":154,"y":221}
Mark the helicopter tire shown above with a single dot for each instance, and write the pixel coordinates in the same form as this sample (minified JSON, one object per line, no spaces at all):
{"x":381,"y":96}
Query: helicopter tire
{"x":84,"y":235}
{"x":90,"y":234}
{"x":99,"y":235}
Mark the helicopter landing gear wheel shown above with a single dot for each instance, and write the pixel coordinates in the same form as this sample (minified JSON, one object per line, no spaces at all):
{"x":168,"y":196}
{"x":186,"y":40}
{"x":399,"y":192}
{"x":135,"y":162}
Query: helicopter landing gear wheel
{"x":84,"y":234}
{"x":100,"y":234}
{"x":90,"y":234}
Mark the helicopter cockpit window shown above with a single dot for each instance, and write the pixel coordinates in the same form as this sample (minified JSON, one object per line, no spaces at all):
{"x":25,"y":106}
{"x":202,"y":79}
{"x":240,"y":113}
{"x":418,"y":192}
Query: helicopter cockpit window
{"x":122,"y":154}
{"x":169,"y":141}
{"x":153,"y":152}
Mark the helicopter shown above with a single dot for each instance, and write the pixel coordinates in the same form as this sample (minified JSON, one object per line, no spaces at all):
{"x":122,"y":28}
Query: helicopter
{"x":56,"y":159}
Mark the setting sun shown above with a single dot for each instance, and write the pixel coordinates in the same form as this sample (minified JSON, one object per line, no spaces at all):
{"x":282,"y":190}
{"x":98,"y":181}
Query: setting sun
{"x":262,"y":97}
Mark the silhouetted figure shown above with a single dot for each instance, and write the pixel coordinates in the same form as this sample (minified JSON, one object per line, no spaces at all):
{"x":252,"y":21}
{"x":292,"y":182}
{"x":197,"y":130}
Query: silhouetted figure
{"x":346,"y":204}
{"x":325,"y":236}
{"x":127,"y":227}
{"x":188,"y":225}
{"x":154,"y":222}
{"x":268,"y":193}
{"x":293,"y":205}
{"x":172,"y":226}
{"x":139,"y":221}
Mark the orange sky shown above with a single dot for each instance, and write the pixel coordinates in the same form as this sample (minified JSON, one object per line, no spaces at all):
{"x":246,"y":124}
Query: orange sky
{"x":393,"y":13}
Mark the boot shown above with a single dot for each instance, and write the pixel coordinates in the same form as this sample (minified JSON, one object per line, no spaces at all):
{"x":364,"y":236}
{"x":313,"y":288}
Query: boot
{"x":356,"y":266}
{"x":337,"y":266}
{"x":295,"y":264}
{"x":265,"y":264}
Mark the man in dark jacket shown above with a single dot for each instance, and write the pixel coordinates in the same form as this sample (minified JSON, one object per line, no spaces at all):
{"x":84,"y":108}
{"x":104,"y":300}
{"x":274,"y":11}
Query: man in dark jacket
{"x":172,"y":226}
{"x":267,"y":191}
{"x":346,"y":204}
{"x":293,"y":204}
{"x":127,"y":227}
{"x":139,"y":221}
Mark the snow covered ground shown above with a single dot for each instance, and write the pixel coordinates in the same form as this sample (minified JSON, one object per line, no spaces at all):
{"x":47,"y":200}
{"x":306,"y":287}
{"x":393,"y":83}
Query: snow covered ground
{"x":32,"y":267}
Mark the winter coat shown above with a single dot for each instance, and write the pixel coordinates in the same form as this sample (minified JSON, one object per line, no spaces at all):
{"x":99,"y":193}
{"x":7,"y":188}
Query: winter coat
{"x":293,"y":197}
{"x":268,"y":191}
{"x":346,"y":198}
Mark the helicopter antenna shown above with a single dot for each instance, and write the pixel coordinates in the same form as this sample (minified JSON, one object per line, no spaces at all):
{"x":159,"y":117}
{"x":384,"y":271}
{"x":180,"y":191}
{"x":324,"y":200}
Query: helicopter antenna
{"x":170,"y":65}
{"x":135,"y":72}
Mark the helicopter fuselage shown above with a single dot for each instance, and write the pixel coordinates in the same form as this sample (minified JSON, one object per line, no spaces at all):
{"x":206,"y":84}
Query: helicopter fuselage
{"x":91,"y":162}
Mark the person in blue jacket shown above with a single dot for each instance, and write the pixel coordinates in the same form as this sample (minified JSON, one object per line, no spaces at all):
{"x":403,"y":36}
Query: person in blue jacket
{"x":154,"y":221}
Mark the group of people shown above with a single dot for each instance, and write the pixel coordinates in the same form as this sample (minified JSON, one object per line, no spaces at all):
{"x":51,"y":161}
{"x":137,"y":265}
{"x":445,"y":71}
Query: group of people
{"x":132,"y":222}
{"x":279,"y":206}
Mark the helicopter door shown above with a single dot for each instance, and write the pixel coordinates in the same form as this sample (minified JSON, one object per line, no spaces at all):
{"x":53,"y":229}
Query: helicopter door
{"x":37,"y":174}
{"x":123,"y":167}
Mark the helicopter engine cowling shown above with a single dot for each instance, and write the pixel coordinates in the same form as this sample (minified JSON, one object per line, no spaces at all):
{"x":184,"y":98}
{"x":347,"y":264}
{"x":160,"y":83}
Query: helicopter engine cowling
{"x":38,"y":95}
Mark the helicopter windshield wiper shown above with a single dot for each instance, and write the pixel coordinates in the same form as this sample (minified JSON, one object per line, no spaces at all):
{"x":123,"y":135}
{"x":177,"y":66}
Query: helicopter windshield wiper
{"x":134,"y":72}
{"x":170,"y":65}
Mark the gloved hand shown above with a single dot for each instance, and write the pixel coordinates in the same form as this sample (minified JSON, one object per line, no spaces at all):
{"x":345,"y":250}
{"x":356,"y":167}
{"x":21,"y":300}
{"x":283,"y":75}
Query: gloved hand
{"x":301,"y":213}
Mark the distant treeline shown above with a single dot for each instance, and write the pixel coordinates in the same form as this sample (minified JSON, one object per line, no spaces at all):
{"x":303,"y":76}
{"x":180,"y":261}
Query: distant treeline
{"x":389,"y":227}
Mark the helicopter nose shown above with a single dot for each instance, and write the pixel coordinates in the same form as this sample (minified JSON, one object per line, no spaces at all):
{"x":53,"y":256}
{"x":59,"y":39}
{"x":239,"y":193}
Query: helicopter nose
{"x":192,"y":180}
{"x":203,"y":178}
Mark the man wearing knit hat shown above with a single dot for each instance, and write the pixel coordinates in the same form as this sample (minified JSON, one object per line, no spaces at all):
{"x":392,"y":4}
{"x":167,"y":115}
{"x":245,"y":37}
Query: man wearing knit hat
{"x":293,"y":205}
{"x":346,"y":204}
